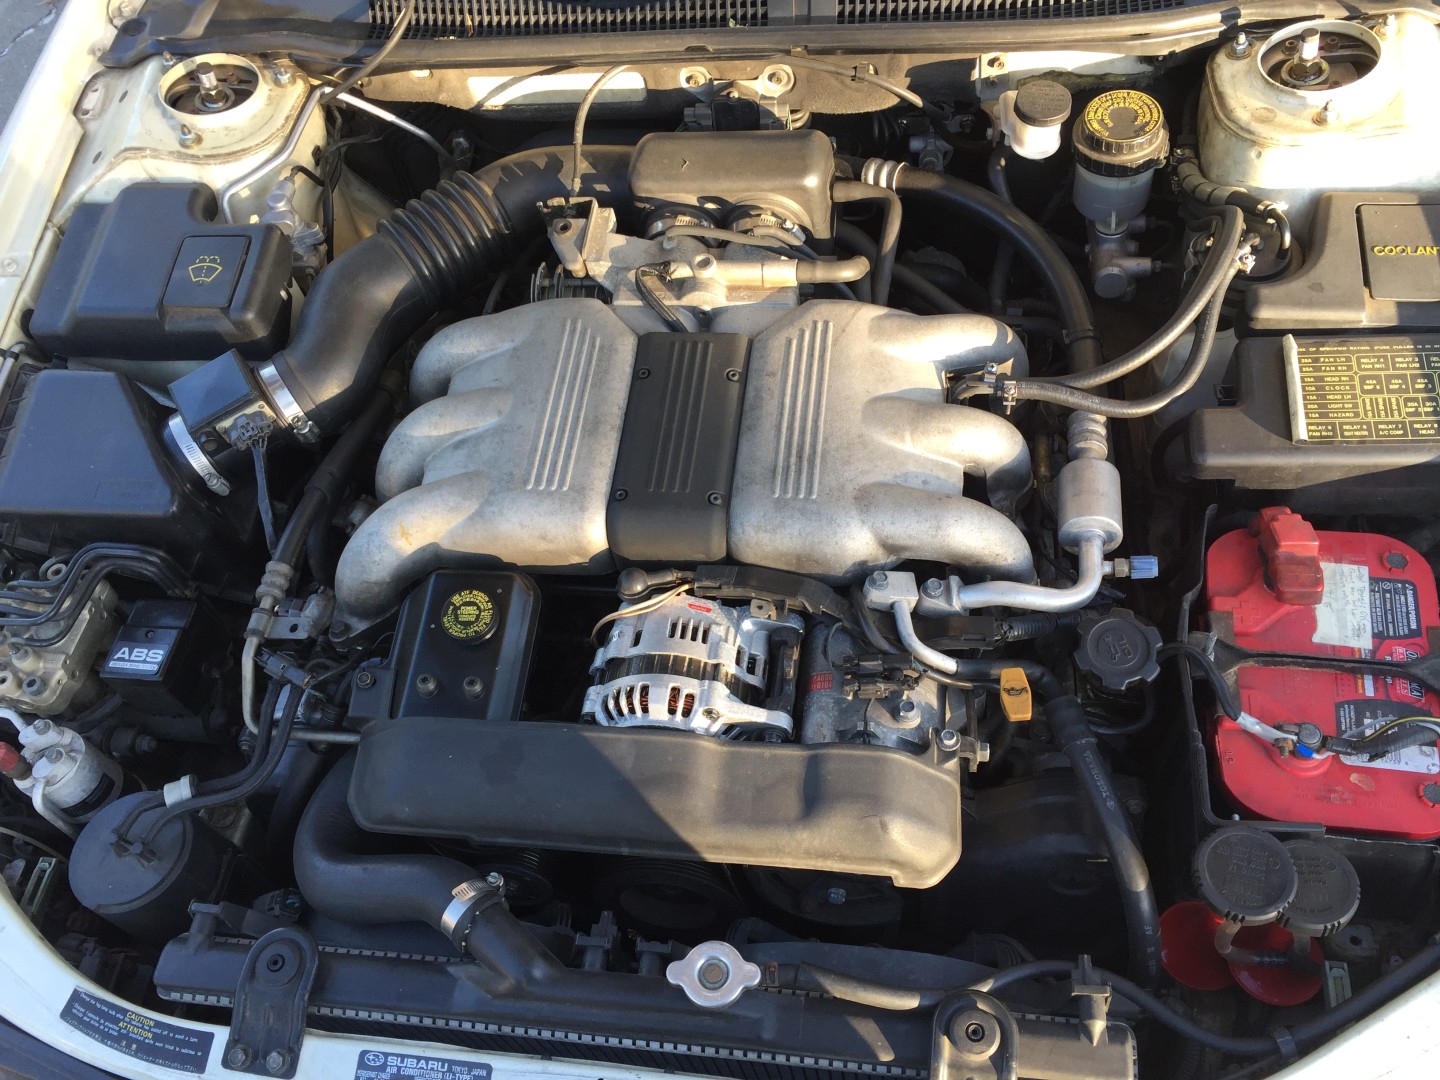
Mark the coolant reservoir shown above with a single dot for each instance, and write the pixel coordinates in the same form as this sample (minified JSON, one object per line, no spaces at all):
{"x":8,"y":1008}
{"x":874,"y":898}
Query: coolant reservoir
{"x":1325,"y":105}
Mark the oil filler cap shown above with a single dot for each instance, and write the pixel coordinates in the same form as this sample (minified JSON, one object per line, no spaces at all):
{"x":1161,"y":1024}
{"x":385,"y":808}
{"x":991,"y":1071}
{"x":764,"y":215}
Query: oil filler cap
{"x":1245,"y":875}
{"x":1121,"y":133}
{"x":1117,"y":651}
{"x":1329,"y":891}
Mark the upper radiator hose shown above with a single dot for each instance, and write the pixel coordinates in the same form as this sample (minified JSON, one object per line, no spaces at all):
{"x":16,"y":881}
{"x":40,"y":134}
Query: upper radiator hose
{"x":422,"y":259}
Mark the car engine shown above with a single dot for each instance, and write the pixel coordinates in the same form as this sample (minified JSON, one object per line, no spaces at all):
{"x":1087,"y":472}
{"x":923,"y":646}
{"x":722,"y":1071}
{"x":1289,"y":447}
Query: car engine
{"x":761,"y":559}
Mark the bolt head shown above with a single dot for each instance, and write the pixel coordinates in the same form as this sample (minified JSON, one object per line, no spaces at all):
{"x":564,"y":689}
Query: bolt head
{"x":427,"y":685}
{"x":276,"y":1060}
{"x":365,"y":679}
{"x":948,"y":739}
{"x":237,"y":1057}
{"x":495,"y":879}
{"x":836,"y":896}
{"x":933,"y":588}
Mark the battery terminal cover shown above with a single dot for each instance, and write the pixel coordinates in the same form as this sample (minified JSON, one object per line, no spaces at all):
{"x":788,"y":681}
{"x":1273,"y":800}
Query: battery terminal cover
{"x":1292,"y":556}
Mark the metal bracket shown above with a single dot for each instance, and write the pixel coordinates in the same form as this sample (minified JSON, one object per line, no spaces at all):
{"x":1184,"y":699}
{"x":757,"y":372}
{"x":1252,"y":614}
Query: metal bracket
{"x":267,"y":1024}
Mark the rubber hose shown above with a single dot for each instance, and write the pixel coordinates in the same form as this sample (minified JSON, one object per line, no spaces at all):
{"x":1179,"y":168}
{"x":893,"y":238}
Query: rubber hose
{"x":1071,"y":398}
{"x":1215,"y":275}
{"x":423,"y":258}
{"x":342,"y":880}
{"x":849,"y":191}
{"x":1029,"y":239}
{"x":328,"y":478}
{"x":1004,"y":254}
{"x":1075,"y":737}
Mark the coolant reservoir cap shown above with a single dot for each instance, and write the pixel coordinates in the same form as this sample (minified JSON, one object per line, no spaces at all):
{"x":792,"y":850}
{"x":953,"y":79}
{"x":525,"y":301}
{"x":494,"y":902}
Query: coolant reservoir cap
{"x":1121,"y":133}
{"x":1329,"y":892}
{"x":1245,"y":875}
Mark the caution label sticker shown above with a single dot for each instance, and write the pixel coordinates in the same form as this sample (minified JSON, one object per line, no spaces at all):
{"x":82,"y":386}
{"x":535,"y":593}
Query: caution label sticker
{"x":144,"y":1038}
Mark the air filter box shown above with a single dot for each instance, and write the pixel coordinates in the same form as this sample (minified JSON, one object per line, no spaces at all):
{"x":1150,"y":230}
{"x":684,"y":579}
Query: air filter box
{"x":1284,"y":587}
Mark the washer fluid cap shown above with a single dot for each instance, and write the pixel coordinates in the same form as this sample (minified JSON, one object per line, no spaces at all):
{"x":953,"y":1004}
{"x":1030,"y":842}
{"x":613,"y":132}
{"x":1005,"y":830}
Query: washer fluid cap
{"x":1329,"y":892}
{"x":1121,"y":133}
{"x":1245,"y":875}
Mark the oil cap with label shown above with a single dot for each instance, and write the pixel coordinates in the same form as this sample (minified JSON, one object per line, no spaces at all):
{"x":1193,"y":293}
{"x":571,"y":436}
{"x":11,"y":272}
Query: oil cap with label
{"x":1117,"y":651}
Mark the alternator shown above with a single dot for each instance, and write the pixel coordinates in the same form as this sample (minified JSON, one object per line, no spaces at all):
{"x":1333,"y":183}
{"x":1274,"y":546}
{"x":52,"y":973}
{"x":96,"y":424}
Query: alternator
{"x":692,"y":665}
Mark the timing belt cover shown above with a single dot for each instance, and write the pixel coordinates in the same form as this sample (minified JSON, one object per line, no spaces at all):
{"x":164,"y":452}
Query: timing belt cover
{"x":846,"y":809}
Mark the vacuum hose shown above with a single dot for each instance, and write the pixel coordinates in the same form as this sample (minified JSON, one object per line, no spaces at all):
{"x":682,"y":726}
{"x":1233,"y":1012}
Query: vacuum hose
{"x":423,"y":258}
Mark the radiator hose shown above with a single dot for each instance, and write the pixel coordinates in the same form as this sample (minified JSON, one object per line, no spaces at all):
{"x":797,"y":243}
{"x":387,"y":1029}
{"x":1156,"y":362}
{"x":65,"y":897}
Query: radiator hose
{"x":424,"y":258}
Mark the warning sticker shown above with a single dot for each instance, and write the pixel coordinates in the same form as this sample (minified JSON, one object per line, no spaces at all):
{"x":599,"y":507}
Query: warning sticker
{"x":1372,"y":390}
{"x":1362,"y":717}
{"x":1343,"y":616}
{"x":155,"y":1042}
{"x":1395,"y":610}
{"x":378,"y":1065}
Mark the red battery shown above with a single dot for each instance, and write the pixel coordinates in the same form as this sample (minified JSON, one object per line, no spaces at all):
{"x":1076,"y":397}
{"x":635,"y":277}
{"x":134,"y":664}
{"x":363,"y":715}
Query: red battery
{"x":1283,"y":587}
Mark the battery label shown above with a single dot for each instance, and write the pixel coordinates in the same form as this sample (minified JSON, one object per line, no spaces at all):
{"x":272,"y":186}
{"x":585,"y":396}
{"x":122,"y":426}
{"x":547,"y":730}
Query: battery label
{"x":1395,"y":610}
{"x":1372,"y":390}
{"x":1356,"y":718}
{"x":1343,"y":616}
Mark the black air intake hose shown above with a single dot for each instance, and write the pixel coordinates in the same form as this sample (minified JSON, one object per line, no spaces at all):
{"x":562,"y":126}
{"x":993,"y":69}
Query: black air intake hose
{"x":424,"y":258}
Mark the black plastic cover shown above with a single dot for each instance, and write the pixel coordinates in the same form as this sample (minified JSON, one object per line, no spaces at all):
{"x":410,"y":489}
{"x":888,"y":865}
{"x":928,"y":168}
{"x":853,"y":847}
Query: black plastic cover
{"x":1328,"y":895}
{"x":1251,"y":442}
{"x":787,"y":172}
{"x":1244,"y":875}
{"x":462,"y":649}
{"x":670,"y":497}
{"x":82,"y":462}
{"x":1373,"y":263}
{"x":157,"y":660}
{"x":661,"y":793}
{"x":154,"y":276}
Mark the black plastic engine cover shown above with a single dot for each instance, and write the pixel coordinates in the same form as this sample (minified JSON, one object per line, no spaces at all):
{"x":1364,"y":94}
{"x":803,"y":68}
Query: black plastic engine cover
{"x":627,"y":791}
{"x":670,"y":497}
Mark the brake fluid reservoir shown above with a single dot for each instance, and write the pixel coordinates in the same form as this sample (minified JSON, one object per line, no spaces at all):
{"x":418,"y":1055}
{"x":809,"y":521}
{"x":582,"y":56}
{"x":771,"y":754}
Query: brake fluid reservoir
{"x":1324,"y":105}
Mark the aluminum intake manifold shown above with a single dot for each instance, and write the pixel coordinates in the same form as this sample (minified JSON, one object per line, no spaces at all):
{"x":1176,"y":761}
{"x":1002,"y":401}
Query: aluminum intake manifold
{"x":849,"y":460}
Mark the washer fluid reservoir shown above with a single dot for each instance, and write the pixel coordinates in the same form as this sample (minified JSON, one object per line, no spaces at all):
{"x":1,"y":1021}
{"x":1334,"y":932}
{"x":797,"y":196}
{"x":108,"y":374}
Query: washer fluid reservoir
{"x":1324,"y":105}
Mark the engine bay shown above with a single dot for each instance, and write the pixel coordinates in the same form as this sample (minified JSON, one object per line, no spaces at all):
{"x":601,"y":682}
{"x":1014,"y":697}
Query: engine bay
{"x":746,"y":565}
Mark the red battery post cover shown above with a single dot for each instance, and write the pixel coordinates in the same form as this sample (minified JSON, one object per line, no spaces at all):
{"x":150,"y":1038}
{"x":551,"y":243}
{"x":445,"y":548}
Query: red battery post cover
{"x":1376,"y":599}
